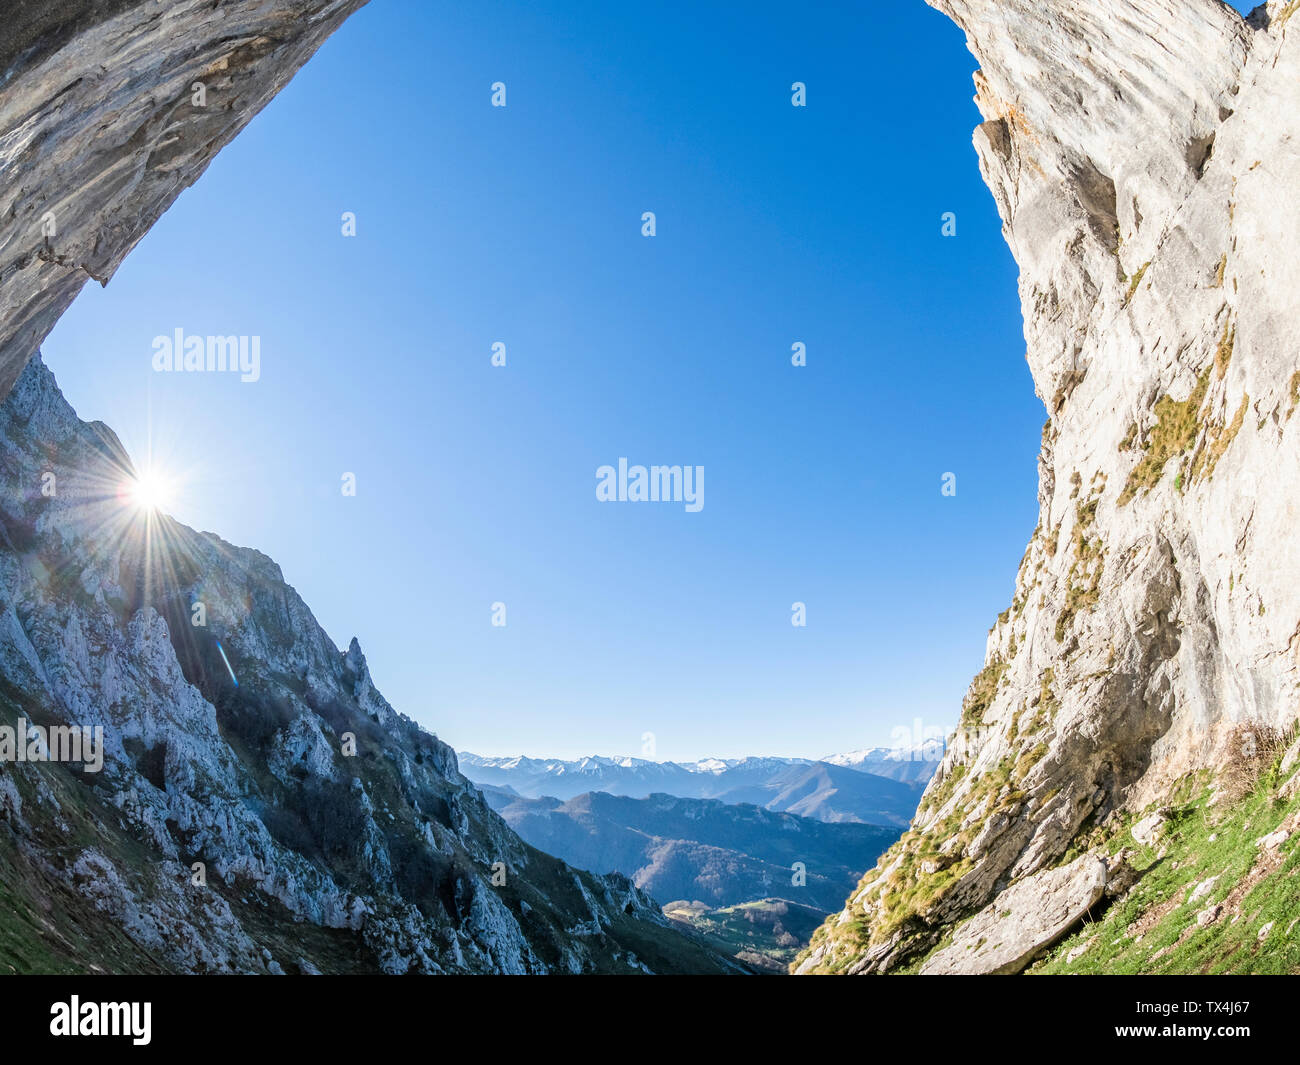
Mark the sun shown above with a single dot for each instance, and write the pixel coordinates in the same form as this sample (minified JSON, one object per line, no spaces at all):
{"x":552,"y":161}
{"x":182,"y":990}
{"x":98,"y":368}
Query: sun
{"x":150,"y":491}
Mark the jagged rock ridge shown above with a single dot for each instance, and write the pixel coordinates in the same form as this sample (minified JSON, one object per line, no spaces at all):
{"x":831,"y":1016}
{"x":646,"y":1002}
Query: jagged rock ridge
{"x":313,"y":859}
{"x":1144,"y":158}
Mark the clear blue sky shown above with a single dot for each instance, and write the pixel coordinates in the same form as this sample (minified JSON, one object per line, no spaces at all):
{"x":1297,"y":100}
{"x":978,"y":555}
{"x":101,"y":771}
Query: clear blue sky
{"x":476,"y":484}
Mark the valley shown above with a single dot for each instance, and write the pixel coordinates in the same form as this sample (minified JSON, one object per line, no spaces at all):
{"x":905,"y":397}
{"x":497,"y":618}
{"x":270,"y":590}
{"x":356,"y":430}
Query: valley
{"x":725,"y":864}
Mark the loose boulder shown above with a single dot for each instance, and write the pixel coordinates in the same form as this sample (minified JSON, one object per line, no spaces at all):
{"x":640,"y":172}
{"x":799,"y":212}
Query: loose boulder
{"x":1023,"y":921}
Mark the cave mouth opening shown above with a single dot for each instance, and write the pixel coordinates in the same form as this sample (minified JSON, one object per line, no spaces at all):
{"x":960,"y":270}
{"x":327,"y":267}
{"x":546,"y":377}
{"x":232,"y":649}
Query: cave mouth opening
{"x":755,"y":446}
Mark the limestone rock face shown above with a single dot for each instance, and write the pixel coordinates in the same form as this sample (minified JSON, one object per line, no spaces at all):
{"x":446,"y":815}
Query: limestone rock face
{"x":100,"y":130}
{"x":1144,"y":156}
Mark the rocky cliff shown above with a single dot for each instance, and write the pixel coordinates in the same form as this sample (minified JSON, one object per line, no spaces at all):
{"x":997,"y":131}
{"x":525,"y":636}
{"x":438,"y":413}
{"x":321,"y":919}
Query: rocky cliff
{"x":261,"y":808}
{"x":1144,"y":156}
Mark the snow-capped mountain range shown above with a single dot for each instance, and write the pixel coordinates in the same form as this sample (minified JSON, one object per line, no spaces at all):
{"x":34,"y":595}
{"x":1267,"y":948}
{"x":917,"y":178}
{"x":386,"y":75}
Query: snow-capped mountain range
{"x":878,"y":785}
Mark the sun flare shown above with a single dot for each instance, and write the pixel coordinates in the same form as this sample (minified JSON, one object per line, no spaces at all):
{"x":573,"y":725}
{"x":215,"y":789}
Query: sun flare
{"x":150,"y":491}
